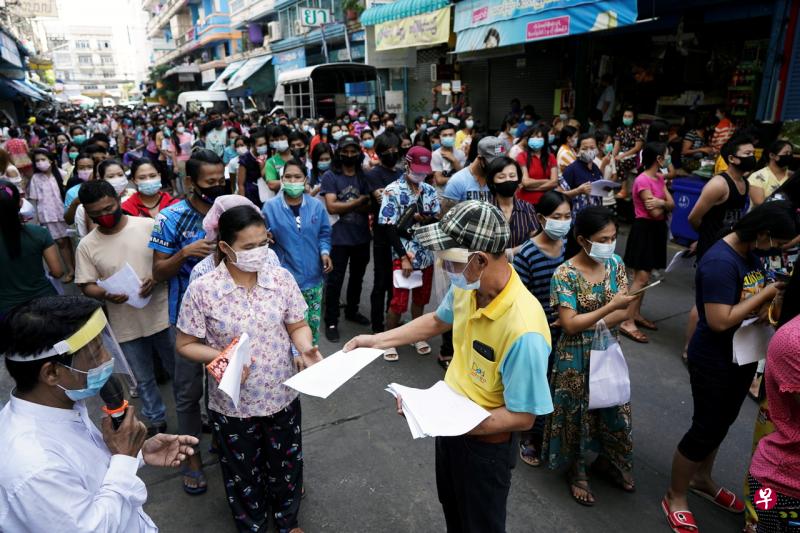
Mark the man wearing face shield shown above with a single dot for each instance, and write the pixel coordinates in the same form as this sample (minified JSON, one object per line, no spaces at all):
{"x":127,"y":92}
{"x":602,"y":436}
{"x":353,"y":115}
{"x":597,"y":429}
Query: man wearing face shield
{"x":501,"y":342}
{"x":58,"y":471}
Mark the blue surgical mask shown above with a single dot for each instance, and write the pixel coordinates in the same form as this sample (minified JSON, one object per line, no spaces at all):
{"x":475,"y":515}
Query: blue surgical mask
{"x":324,"y":165}
{"x":528,"y":123}
{"x":627,"y":121}
{"x":535,"y":143}
{"x":557,"y":229}
{"x":149,"y":187}
{"x":448,"y":142}
{"x":369,"y":143}
{"x":602,"y":252}
{"x":551,"y":139}
{"x":324,"y":131}
{"x":95,"y":379}
{"x":436,"y":146}
{"x":460,"y":280}
{"x":262,"y":150}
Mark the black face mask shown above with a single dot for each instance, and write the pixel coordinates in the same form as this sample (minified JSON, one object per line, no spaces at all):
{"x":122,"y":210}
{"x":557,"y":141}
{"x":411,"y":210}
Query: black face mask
{"x":209,"y":194}
{"x":299,"y":153}
{"x":389,"y":159}
{"x":375,"y":125}
{"x":350,"y":160}
{"x":746,"y":164}
{"x":784,"y":161}
{"x":506,"y":189}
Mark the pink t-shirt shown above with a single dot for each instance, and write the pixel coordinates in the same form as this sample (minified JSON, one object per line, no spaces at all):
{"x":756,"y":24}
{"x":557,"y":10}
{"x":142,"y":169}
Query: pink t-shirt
{"x":655,"y":186}
{"x":776,"y":463}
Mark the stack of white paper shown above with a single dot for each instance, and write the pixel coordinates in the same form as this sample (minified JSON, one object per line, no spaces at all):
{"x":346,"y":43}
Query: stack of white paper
{"x":750,"y":341}
{"x":125,"y":281}
{"x":602,"y":187}
{"x":411,"y":282}
{"x":438,"y":411}
{"x":329,"y":374}
{"x":231,"y":382}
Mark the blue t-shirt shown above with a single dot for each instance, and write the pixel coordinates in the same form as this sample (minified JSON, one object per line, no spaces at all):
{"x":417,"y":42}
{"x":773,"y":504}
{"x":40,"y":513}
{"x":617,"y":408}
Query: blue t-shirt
{"x":72,"y":193}
{"x":176,"y":227}
{"x":723,"y":277}
{"x":463,"y":186}
{"x":352,"y":228}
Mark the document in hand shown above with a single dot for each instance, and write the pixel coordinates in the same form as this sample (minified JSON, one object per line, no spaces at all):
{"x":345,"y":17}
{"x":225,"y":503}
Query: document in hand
{"x":602,"y":187}
{"x":438,"y":411}
{"x":332,"y":372}
{"x":239,"y":356}
{"x":411,"y":282}
{"x":750,"y":341}
{"x":125,"y":281}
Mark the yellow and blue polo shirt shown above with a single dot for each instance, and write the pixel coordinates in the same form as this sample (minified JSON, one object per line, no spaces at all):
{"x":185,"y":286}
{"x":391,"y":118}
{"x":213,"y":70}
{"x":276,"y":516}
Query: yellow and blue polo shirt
{"x":500,"y":351}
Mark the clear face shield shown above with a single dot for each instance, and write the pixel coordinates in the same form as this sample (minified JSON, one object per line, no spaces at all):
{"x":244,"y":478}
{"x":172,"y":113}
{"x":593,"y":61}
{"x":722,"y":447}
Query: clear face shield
{"x":454,"y":260}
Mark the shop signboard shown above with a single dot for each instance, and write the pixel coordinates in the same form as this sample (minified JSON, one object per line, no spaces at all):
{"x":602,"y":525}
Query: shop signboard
{"x":394,"y":102}
{"x":313,"y":17}
{"x":291,"y":60}
{"x":482,"y":24}
{"x":420,"y":30}
{"x":9,"y":51}
{"x":35,"y":8}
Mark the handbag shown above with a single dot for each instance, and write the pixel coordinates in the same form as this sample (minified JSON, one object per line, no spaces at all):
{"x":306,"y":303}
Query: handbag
{"x":609,"y":380}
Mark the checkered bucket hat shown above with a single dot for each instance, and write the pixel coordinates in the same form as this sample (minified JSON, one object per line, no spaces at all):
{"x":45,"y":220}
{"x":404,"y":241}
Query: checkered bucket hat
{"x":475,"y":225}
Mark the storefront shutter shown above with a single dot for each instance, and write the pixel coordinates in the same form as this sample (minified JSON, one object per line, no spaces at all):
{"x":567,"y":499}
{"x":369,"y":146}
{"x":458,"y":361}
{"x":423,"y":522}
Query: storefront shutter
{"x":791,"y":102}
{"x":533,"y":83}
{"x":475,"y":75}
{"x":420,"y":97}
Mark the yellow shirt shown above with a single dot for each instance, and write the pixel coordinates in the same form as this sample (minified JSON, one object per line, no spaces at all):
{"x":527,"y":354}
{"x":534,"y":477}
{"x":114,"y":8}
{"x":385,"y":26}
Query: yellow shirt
{"x":500,"y":351}
{"x":765,"y":179}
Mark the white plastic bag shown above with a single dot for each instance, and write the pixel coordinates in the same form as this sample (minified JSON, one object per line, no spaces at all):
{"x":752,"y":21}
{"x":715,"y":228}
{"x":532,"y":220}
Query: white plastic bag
{"x":609,"y":382}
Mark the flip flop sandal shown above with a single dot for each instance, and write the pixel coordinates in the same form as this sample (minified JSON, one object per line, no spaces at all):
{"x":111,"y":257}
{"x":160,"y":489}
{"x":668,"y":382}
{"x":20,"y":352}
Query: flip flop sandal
{"x":199,"y":477}
{"x":679,"y":521}
{"x":612,"y":474}
{"x":723,"y":498}
{"x":528,"y":454}
{"x":573,"y":481}
{"x":444,"y":363}
{"x":637,"y":335}
{"x":391,"y":355}
{"x":422,"y":347}
{"x":646,"y":324}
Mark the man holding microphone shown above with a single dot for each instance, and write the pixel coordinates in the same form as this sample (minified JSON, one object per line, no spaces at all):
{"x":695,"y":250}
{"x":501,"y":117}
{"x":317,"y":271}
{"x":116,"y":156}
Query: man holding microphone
{"x":58,"y":472}
{"x":501,"y":341}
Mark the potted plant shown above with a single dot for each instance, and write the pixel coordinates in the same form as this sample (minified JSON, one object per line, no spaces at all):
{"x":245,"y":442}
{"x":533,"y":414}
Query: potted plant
{"x":352,"y":9}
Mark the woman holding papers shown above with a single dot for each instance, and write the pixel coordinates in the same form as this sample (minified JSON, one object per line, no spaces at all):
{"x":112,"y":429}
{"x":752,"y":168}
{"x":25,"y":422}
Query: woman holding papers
{"x":646,"y":249}
{"x":259,"y":438}
{"x":590,"y":287}
{"x":730,"y":288}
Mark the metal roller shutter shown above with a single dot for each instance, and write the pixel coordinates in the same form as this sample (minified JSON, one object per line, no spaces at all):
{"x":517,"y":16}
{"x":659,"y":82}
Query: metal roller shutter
{"x":533,"y":83}
{"x":475,"y":75}
{"x":791,"y":102}
{"x":420,"y":97}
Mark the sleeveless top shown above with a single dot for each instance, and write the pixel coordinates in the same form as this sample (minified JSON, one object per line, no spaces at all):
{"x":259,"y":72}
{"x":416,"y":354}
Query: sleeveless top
{"x":721,"y":218}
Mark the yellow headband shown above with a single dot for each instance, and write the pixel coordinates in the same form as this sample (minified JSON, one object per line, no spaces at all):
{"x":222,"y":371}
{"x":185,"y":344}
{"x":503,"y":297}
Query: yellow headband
{"x":88,"y":332}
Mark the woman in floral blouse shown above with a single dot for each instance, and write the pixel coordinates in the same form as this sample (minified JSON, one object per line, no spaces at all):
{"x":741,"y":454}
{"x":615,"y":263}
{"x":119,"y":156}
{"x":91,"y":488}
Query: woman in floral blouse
{"x":259,"y":439}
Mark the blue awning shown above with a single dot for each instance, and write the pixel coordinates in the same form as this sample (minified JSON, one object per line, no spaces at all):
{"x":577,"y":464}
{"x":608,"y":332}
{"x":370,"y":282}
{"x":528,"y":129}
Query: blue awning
{"x":221,"y":83}
{"x":400,"y":10}
{"x":23,"y":88}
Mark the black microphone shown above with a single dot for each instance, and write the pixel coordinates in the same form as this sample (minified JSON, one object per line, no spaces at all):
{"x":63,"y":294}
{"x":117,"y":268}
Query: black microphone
{"x":113,"y":395}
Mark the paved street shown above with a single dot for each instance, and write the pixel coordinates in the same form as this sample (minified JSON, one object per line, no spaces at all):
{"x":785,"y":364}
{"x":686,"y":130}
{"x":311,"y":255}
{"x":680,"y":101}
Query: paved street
{"x":364,"y":472}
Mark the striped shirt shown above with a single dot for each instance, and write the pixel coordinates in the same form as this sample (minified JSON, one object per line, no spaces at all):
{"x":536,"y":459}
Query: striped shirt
{"x":523,"y":222}
{"x":565,"y":157}
{"x":535,"y":269}
{"x":722,"y":133}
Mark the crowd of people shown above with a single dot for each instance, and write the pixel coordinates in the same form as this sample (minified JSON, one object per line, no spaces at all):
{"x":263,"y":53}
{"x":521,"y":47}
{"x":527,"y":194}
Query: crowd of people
{"x":249,"y":223}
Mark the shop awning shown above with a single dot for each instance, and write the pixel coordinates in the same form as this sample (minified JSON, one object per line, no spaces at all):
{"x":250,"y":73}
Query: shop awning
{"x":25,"y":89}
{"x":482,"y":24}
{"x":187,"y":68}
{"x":252,"y":66}
{"x":221,"y":83}
{"x":400,"y":10}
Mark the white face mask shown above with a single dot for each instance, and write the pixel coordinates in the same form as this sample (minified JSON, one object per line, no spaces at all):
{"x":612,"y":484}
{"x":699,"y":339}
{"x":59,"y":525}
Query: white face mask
{"x":557,"y":229}
{"x":241,"y":150}
{"x":120,"y":183}
{"x":281,"y":146}
{"x":250,"y":260}
{"x":601,"y":252}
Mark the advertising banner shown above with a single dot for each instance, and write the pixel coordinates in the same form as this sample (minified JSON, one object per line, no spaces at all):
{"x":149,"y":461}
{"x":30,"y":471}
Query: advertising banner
{"x":419,"y":30}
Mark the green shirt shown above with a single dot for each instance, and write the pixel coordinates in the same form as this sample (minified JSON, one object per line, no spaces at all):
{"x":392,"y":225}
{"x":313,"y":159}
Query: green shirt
{"x":272,"y":169}
{"x":23,"y":277}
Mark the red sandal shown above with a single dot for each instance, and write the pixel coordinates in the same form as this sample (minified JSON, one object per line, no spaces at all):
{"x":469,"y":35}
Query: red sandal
{"x":724,"y":499}
{"x":679,"y":521}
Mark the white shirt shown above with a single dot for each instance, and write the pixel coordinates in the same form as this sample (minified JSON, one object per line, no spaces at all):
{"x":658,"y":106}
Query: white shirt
{"x":609,"y":97}
{"x":56,"y":474}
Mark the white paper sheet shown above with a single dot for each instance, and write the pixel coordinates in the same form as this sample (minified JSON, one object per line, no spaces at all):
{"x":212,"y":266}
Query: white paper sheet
{"x":125,"y":281}
{"x":438,"y":411}
{"x":332,"y":372}
{"x":411,"y":282}
{"x":231,"y":382}
{"x":750,"y":342}
{"x":601,"y":187}
{"x":680,"y":261}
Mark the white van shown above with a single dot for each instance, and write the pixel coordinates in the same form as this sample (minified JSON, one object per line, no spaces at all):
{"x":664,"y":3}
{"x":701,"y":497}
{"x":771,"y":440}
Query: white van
{"x":108,"y":102}
{"x":195,"y":101}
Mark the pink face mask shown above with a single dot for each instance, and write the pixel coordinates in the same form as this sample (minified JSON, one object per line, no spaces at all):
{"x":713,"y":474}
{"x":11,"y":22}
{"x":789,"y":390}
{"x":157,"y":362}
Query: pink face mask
{"x":44,"y":166}
{"x":84,"y":174}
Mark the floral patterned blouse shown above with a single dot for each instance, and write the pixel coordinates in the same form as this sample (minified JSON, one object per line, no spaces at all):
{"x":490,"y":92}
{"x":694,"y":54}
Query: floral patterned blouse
{"x":628,"y":136}
{"x":397,"y":196}
{"x":216,"y":309}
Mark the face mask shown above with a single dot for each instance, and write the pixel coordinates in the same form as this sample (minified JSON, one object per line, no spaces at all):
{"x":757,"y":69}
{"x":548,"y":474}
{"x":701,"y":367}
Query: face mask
{"x":416,"y":178}
{"x":369,"y":143}
{"x":601,"y":252}
{"x":167,"y":132}
{"x":436,"y":146}
{"x":72,"y":156}
{"x":608,"y":148}
{"x":79,"y":139}
{"x":588,"y":156}
{"x":294,"y":190}
{"x":557,"y":229}
{"x":110,"y":220}
{"x":281,"y":146}
{"x":306,"y":127}
{"x":460,"y":280}
{"x":772,"y":251}
{"x":338,"y":135}
{"x":180,"y":129}
{"x":95,"y":379}
{"x":262,"y":150}
{"x":746,"y":164}
{"x":435,"y":116}
{"x":389,"y":159}
{"x":84,"y":174}
{"x":535,"y":143}
{"x":350,"y":160}
{"x":44,"y":166}
{"x":528,"y":123}
{"x":346,"y":121}
{"x":119,"y":183}
{"x":251,"y":260}
{"x":551,"y":138}
{"x":667,"y":161}
{"x":448,"y":142}
{"x":423,"y":127}
{"x":149,"y":187}
{"x":469,"y":123}
{"x":506,"y":189}
{"x":784,"y":161}
{"x":627,"y":121}
{"x":324,"y":165}
{"x":324,"y":131}
{"x":209,"y":194}
{"x":362,"y":119}
{"x":241,"y":150}
{"x":563,"y":116}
